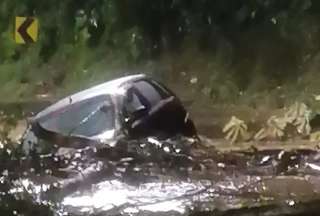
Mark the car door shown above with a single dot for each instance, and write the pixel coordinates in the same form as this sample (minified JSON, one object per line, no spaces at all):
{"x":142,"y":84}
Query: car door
{"x":153,"y":109}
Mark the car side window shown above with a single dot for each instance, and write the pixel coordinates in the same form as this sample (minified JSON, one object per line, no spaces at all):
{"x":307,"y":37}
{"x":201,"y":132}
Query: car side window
{"x":149,"y":92}
{"x":142,"y":97}
{"x":133,"y":102}
{"x":165,"y":92}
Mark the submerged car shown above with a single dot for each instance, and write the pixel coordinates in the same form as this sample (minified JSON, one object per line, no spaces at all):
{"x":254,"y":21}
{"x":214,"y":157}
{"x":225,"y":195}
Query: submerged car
{"x":133,"y":107}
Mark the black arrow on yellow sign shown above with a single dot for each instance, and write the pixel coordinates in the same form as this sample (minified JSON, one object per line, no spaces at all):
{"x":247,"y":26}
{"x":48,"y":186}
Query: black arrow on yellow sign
{"x":23,"y":30}
{"x":26,"y":30}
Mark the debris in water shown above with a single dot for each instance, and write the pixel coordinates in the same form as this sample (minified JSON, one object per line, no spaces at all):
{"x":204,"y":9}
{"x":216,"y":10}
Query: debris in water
{"x":273,"y":130}
{"x":299,"y":115}
{"x":265,"y":159}
{"x":313,"y":166}
{"x":291,"y":202}
{"x":235,"y":129}
{"x":221,"y":165}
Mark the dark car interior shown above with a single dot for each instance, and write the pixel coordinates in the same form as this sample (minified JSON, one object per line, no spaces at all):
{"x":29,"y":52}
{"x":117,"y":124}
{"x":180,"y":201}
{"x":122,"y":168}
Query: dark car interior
{"x":150,"y":109}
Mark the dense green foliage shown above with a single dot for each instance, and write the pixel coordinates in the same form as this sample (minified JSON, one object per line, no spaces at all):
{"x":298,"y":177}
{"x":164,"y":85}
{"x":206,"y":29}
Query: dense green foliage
{"x":240,"y":45}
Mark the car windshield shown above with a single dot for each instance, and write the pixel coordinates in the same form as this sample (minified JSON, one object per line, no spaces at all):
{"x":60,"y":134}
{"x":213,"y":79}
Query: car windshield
{"x":86,"y":118}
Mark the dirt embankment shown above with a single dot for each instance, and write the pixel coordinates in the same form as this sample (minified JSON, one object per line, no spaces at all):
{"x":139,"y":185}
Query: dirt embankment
{"x":211,"y":116}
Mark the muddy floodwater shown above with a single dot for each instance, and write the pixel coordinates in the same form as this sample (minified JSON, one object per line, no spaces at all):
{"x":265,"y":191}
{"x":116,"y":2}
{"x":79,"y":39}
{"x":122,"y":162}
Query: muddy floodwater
{"x":172,"y":177}
{"x":177,"y":176}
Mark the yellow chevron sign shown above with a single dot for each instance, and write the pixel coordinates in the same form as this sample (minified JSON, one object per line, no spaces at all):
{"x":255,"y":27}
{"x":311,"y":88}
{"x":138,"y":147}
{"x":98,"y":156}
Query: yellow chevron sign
{"x":26,"y":30}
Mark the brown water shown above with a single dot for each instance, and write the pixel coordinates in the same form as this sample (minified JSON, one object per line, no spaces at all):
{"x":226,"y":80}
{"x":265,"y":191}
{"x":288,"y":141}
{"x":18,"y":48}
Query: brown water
{"x":154,"y":179}
{"x":171,"y":177}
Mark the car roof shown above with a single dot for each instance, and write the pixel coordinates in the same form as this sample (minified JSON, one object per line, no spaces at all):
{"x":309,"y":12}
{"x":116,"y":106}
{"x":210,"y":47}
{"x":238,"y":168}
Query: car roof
{"x":107,"y":88}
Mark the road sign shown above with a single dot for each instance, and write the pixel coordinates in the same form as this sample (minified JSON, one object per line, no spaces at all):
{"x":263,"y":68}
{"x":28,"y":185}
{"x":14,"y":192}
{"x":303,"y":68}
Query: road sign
{"x":26,"y":30}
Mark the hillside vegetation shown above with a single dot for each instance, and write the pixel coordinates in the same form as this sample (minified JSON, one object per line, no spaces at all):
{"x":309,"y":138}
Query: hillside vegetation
{"x":244,"y":51}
